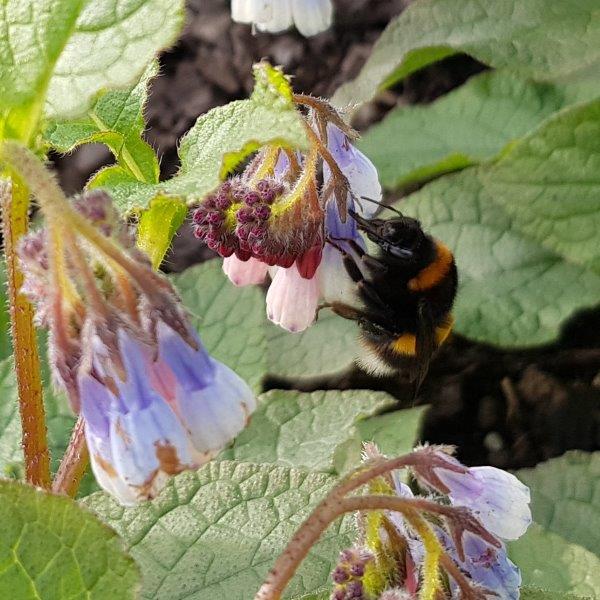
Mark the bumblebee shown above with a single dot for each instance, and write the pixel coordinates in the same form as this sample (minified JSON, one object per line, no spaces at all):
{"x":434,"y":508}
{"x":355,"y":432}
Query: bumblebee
{"x":406,"y":291}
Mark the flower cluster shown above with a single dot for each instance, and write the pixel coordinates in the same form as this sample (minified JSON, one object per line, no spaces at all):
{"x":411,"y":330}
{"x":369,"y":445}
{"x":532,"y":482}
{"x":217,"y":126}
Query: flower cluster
{"x":309,"y":16}
{"x":463,"y":513}
{"x":276,"y":218}
{"x":153,"y":400}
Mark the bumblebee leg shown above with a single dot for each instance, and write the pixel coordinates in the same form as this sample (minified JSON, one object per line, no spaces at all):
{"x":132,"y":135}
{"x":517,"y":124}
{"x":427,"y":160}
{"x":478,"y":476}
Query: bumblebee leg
{"x":350,"y":264}
{"x":372,"y":263}
{"x":365,"y":320}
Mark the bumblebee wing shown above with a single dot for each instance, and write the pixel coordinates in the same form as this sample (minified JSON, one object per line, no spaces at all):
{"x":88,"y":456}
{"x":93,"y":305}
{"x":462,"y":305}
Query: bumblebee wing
{"x":425,"y":345}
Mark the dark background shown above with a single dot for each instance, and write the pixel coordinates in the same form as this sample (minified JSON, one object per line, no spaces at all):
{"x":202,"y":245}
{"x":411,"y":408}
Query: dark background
{"x":508,"y":409}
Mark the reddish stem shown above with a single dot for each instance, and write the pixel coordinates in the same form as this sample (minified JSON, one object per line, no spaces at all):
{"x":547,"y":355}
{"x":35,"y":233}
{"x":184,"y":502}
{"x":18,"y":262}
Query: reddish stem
{"x":74,"y":463}
{"x":15,"y":223}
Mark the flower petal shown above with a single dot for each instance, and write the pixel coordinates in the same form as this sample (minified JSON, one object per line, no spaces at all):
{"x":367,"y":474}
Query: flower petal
{"x":240,"y":273}
{"x":292,"y":300}
{"x":312,"y":16}
{"x":272,"y":15}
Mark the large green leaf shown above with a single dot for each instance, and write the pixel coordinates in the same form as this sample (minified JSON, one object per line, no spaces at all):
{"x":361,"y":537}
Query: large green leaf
{"x":565,"y":498}
{"x":536,"y":593}
{"x":116,"y":119}
{"x":517,"y":288}
{"x":548,"y":561}
{"x":231,"y":320}
{"x":61,"y":53}
{"x":221,"y":139}
{"x":327,"y":347}
{"x":215,"y":533}
{"x":303,"y":430}
{"x":542,"y":39}
{"x":469,"y":125}
{"x":53,"y":549}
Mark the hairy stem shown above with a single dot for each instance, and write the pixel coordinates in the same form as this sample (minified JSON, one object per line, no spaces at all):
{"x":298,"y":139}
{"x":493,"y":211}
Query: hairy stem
{"x":328,"y":511}
{"x":74,"y":463}
{"x":15,"y":223}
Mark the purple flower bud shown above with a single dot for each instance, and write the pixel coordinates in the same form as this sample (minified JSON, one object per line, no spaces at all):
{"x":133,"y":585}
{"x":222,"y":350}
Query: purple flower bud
{"x":262,"y":212}
{"x":222,"y":201}
{"x":215,"y":218}
{"x":244,"y":215}
{"x":252,"y":198}
{"x":340,"y":575}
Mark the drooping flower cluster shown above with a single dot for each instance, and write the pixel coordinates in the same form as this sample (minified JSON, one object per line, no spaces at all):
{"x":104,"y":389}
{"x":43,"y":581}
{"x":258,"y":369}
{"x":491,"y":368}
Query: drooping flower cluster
{"x":122,"y":347}
{"x":275,"y":218}
{"x":476,"y":510}
{"x":309,"y":16}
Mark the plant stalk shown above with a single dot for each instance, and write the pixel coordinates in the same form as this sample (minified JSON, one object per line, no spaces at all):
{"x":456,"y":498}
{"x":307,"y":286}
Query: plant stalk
{"x":15,"y":223}
{"x":74,"y":463}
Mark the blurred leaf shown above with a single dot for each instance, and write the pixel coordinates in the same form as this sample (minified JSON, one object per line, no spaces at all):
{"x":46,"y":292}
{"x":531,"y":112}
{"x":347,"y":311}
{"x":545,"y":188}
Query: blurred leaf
{"x":215,"y":533}
{"x":303,"y":430}
{"x":395,"y":433}
{"x":116,"y":119}
{"x":61,"y":53}
{"x":5,"y":340}
{"x":548,"y":561}
{"x":541,"y":39}
{"x":50,"y":548}
{"x":231,"y":320}
{"x":467,"y":126}
{"x":157,"y":226}
{"x":522,"y":273}
{"x":222,"y":138}
{"x":533,"y":593}
{"x":565,"y":498}
{"x":326,"y":348}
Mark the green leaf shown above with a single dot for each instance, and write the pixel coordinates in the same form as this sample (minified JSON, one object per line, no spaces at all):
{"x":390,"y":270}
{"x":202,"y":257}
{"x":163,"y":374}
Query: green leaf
{"x":541,"y":39}
{"x":395,"y":433}
{"x":303,"y":430}
{"x":215,"y":533}
{"x":565,"y":499}
{"x":224,"y":137}
{"x":5,"y":340}
{"x":517,"y":288}
{"x":326,"y":348}
{"x":116,"y":119}
{"x":548,"y":561}
{"x":467,"y":126}
{"x":158,"y":225}
{"x":61,"y":53}
{"x":230,"y":320}
{"x":533,"y":593}
{"x":51,"y":548}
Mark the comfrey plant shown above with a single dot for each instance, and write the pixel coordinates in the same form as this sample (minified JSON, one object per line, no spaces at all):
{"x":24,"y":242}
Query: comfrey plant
{"x":447,"y":541}
{"x":276,"y":217}
{"x":152,"y":401}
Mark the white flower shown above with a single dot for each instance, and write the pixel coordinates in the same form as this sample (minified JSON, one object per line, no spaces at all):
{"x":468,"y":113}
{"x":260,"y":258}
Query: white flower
{"x":309,"y":16}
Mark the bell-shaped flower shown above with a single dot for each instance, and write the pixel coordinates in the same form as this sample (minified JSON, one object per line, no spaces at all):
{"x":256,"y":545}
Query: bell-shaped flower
{"x":309,"y":16}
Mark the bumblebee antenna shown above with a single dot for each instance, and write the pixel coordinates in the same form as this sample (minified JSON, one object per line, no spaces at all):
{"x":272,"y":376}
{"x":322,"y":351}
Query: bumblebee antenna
{"x":382,"y":205}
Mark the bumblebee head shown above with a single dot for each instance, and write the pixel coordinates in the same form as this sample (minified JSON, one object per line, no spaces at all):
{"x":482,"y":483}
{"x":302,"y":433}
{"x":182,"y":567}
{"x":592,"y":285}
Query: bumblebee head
{"x":400,"y":237}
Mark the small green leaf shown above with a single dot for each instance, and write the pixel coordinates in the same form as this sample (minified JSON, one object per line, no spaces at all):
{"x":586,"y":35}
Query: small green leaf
{"x":565,"y":499}
{"x":53,"y":549}
{"x":231,"y":320}
{"x":522,"y":271}
{"x":467,"y":126}
{"x":157,"y":226}
{"x":215,"y":533}
{"x":60,"y":53}
{"x":116,"y":119}
{"x":303,"y":430}
{"x":548,"y":561}
{"x":222,"y":138}
{"x":327,"y":347}
{"x":542,"y":39}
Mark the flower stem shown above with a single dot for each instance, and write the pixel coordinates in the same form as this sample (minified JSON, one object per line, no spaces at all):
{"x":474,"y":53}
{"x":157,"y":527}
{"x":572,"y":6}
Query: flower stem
{"x":74,"y":463}
{"x":15,"y":204}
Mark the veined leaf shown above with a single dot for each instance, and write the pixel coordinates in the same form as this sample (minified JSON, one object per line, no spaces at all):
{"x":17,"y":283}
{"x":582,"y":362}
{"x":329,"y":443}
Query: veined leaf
{"x":542,"y":39}
{"x":222,"y":138}
{"x":522,"y":272}
{"x":58,"y":54}
{"x":216,"y":532}
{"x":51,"y":548}
{"x":467,"y":126}
{"x":564,"y":497}
{"x":303,"y":430}
{"x":116,"y":119}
